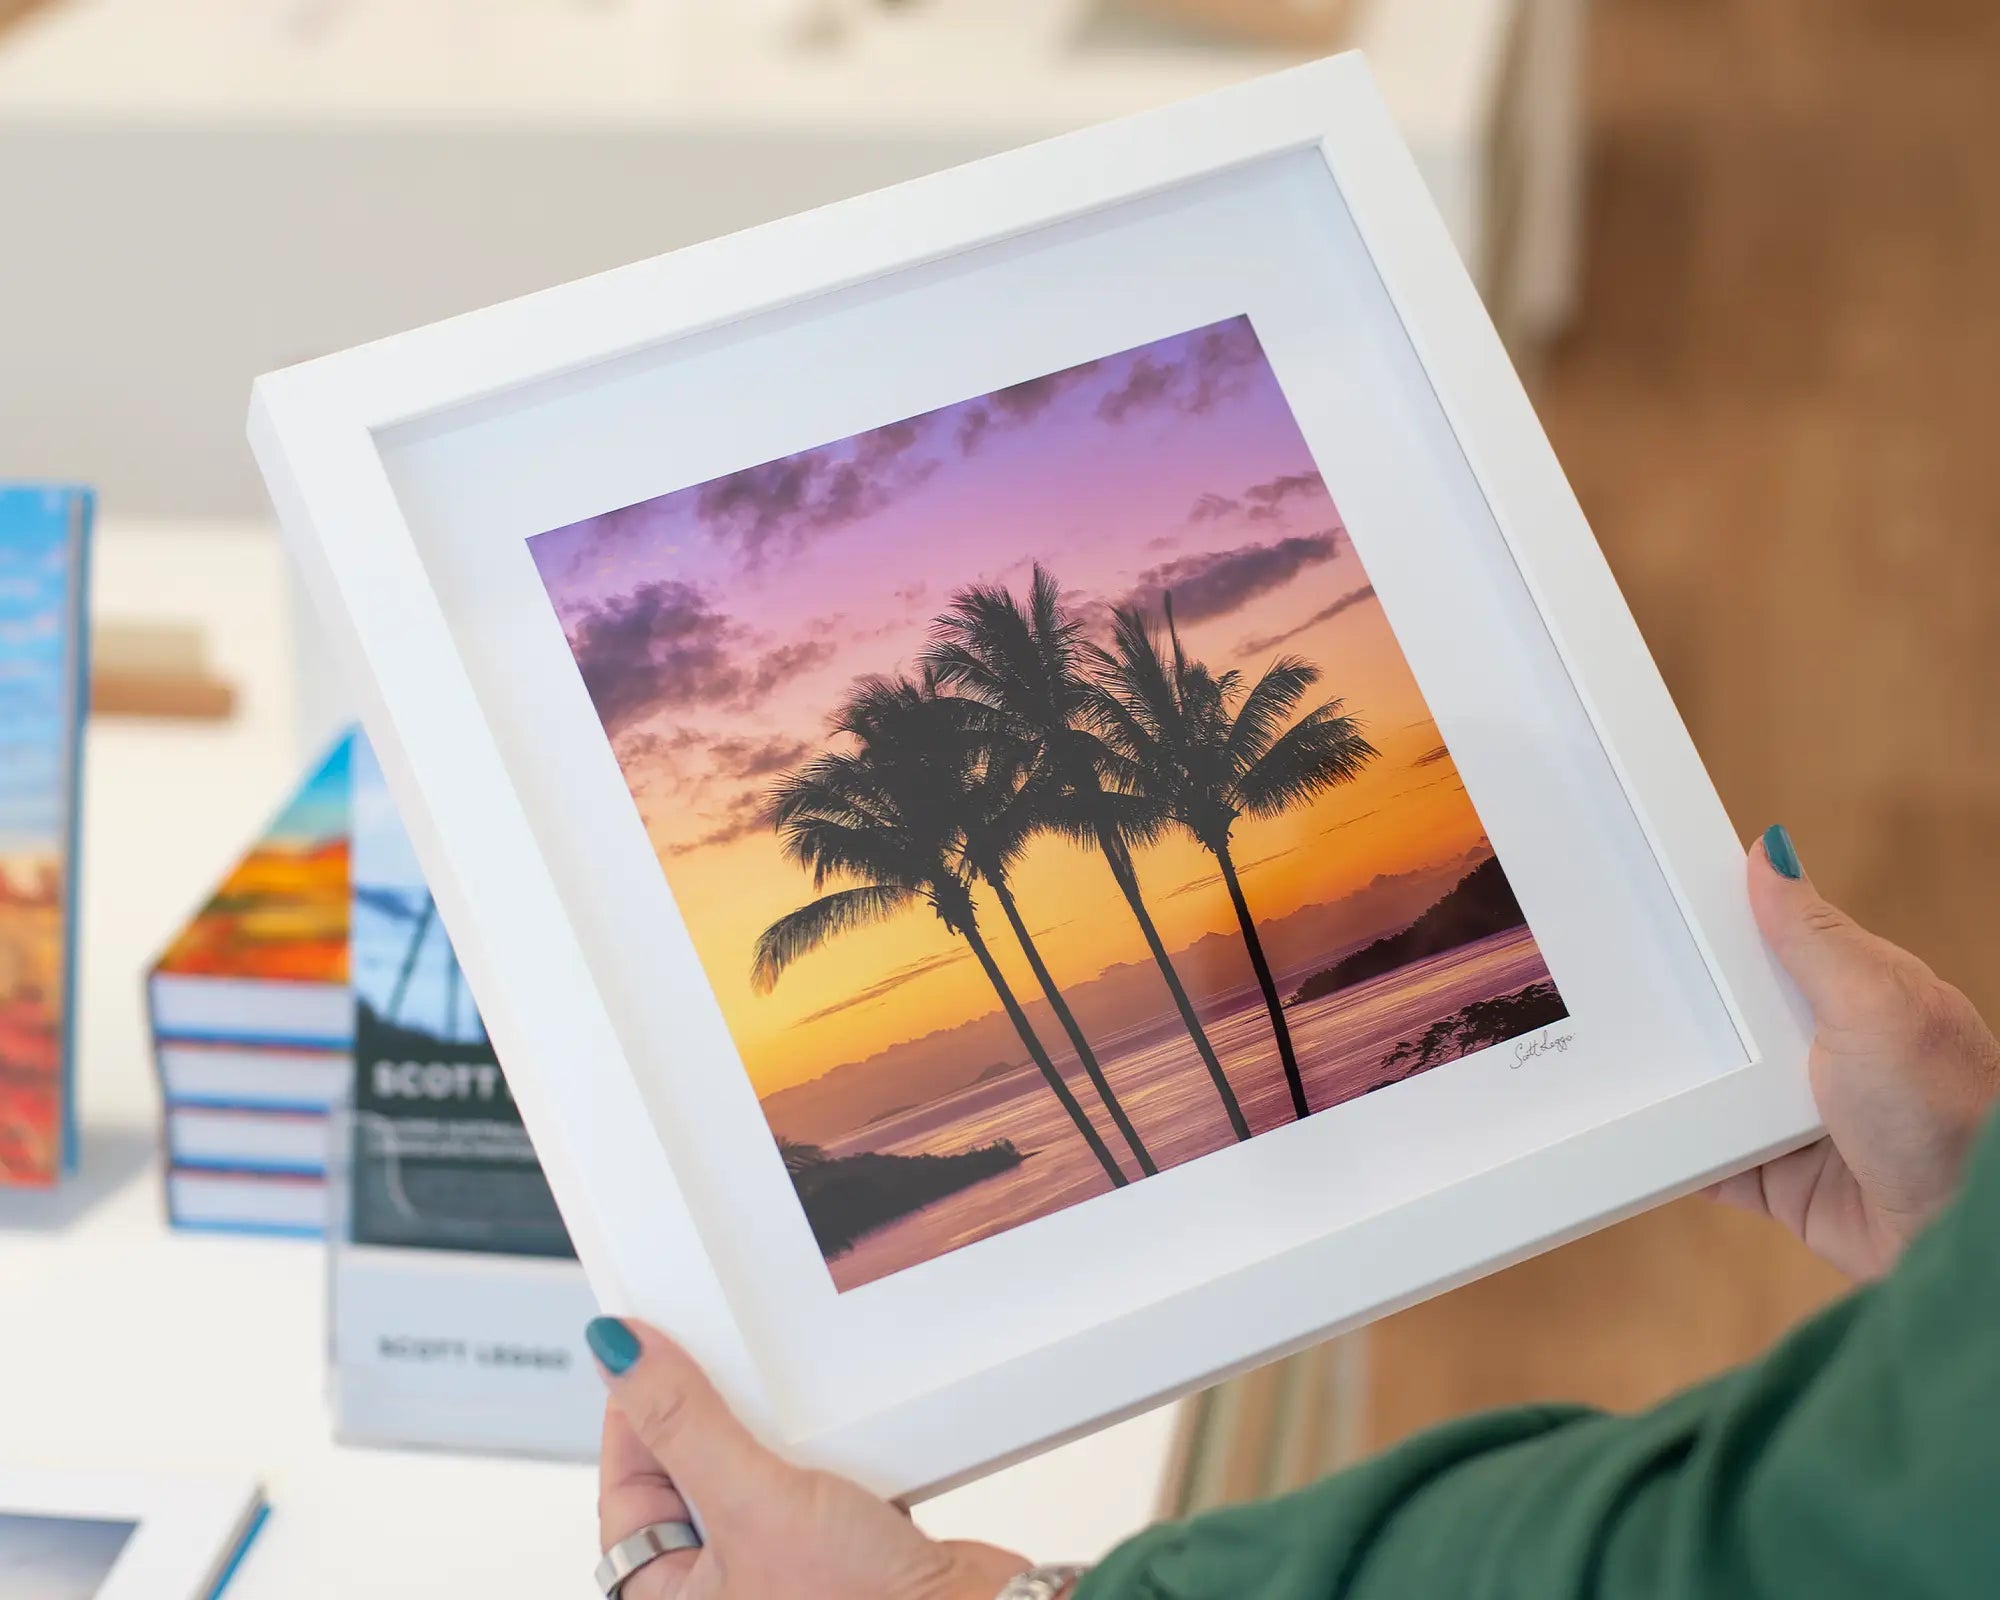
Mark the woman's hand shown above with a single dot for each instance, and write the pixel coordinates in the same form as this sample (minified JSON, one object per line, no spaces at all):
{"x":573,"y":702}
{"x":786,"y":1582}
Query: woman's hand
{"x":1903,"y":1070}
{"x":1904,"y":1073}
{"x":775,"y":1532}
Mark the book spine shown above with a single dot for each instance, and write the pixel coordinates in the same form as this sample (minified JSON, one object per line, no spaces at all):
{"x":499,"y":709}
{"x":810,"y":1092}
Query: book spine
{"x":82,"y":511}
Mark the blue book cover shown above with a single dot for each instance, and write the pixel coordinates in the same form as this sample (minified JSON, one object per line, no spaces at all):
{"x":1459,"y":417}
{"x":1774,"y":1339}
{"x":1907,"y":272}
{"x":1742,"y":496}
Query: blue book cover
{"x":44,"y":695}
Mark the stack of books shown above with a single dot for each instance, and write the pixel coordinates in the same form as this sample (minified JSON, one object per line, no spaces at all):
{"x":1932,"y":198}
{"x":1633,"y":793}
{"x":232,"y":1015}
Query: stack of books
{"x":253,"y":1023}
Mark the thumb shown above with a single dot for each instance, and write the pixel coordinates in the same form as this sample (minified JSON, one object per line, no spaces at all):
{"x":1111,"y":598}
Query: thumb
{"x":1842,"y":969}
{"x":715,"y":1462}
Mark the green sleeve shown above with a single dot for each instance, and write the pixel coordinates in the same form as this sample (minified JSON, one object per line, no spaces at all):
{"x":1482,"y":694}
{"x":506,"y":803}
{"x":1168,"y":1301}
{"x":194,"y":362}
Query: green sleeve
{"x":1860,"y":1458}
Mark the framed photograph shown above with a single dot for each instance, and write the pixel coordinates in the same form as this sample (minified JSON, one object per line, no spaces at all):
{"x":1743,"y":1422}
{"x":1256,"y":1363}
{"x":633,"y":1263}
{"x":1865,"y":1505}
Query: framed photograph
{"x":1043,"y":789}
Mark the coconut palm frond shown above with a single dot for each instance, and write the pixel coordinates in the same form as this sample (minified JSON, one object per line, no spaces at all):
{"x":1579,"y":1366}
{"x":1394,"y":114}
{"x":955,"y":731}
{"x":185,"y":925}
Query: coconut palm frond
{"x":1126,"y":731}
{"x":1268,"y":707}
{"x":836,"y":786}
{"x":1137,"y":820}
{"x":833,"y":850}
{"x":801,"y":1158}
{"x":1137,"y":673}
{"x":799,"y":933}
{"x":957,"y":668}
{"x":1320,"y":751}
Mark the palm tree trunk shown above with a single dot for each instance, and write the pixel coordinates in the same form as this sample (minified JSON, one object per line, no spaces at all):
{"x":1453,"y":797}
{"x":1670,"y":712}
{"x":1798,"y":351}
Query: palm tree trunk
{"x":1054,"y":1078}
{"x":1067,"y":1018}
{"x":1281,"y":1028}
{"x":1128,"y":880}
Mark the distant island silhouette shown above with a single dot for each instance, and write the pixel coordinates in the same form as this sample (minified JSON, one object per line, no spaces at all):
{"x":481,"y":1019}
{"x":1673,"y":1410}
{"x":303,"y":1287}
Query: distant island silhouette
{"x":827,"y":1108}
{"x":845,"y":1197}
{"x":1481,"y":903}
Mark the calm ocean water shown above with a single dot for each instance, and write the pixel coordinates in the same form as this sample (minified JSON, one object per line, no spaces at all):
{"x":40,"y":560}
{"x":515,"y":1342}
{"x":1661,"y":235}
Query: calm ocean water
{"x":1164,"y":1089}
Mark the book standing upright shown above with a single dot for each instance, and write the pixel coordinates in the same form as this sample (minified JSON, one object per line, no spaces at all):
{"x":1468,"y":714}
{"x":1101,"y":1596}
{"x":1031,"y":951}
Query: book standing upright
{"x":458,"y":1306}
{"x":44,"y":693}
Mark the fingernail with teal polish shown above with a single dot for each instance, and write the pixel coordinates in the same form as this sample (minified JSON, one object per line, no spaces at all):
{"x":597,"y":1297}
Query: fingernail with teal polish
{"x":1779,"y":852}
{"x":612,"y":1343}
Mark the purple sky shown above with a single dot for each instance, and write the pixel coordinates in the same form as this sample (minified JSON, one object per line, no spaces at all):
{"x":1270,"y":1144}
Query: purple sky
{"x":717,"y":626}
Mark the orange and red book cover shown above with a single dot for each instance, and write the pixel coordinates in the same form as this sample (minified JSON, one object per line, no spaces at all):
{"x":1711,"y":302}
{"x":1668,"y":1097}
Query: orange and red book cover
{"x":253,"y":1021}
{"x":264,"y":961}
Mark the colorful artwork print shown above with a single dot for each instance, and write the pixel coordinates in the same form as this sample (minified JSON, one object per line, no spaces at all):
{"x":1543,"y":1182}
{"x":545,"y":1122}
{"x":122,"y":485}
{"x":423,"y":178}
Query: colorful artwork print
{"x":282,"y":913}
{"x":42,"y":694}
{"x":1046,"y":792}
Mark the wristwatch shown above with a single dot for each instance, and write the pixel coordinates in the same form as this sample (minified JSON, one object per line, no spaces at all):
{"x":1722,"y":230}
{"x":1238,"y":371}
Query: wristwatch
{"x":1041,"y":1583}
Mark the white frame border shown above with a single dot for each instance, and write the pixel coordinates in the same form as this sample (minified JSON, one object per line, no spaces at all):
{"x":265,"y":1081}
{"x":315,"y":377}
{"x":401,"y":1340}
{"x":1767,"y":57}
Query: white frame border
{"x":188,"y":1531}
{"x":315,"y":427}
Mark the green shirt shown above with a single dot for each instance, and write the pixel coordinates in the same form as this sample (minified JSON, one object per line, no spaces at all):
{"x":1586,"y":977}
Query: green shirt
{"x":1859,"y":1458}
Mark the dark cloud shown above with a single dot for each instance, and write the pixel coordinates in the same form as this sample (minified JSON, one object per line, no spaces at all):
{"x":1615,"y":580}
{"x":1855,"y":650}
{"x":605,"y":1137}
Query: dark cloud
{"x":1431,"y":758}
{"x":1217,"y":582}
{"x":778,"y":667}
{"x":973,"y":428}
{"x":661,"y":643}
{"x":1265,"y":499}
{"x":1220,"y":357}
{"x":886,"y":443}
{"x":741,"y":818}
{"x":644,"y":752}
{"x":1261,"y":502}
{"x":1022,"y":402}
{"x":1209,"y":880}
{"x":1212,"y":369}
{"x":895,"y":980}
{"x":1148,"y":383}
{"x":777,"y":507}
{"x":1016,"y":404}
{"x":665,"y":645}
{"x":717,"y":782}
{"x":1326,"y":613}
{"x":743,"y":759}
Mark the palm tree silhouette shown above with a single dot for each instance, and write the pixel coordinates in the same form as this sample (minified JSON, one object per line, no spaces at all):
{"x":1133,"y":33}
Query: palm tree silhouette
{"x":1029,"y":665}
{"x":1207,"y":758}
{"x":1006,"y":808}
{"x":888,"y":815}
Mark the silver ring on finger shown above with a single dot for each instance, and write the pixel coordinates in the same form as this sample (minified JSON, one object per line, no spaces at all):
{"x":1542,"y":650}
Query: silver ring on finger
{"x":651,"y":1542}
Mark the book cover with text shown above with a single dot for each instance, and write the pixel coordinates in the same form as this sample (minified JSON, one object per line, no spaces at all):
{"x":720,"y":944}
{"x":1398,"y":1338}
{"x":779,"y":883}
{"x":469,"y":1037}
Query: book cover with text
{"x":440,"y":1157}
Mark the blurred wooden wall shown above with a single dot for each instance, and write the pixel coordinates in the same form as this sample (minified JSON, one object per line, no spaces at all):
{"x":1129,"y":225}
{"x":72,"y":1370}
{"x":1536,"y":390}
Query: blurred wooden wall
{"x":1781,"y":407}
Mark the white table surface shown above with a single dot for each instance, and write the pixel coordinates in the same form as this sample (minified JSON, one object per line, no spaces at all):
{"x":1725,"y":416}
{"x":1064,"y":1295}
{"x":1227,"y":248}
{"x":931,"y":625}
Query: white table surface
{"x":125,"y":1345}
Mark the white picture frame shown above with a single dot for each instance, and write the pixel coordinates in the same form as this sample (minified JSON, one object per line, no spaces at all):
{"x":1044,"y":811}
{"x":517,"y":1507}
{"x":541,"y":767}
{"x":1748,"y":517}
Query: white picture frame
{"x":131,"y":1535}
{"x":399,"y":469}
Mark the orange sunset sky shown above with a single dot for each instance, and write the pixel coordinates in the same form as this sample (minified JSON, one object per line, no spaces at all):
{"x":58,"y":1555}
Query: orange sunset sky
{"x":717,"y":626}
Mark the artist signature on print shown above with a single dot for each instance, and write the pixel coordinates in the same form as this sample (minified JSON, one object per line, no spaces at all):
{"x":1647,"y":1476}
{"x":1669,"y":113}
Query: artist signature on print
{"x":1543,"y":1044}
